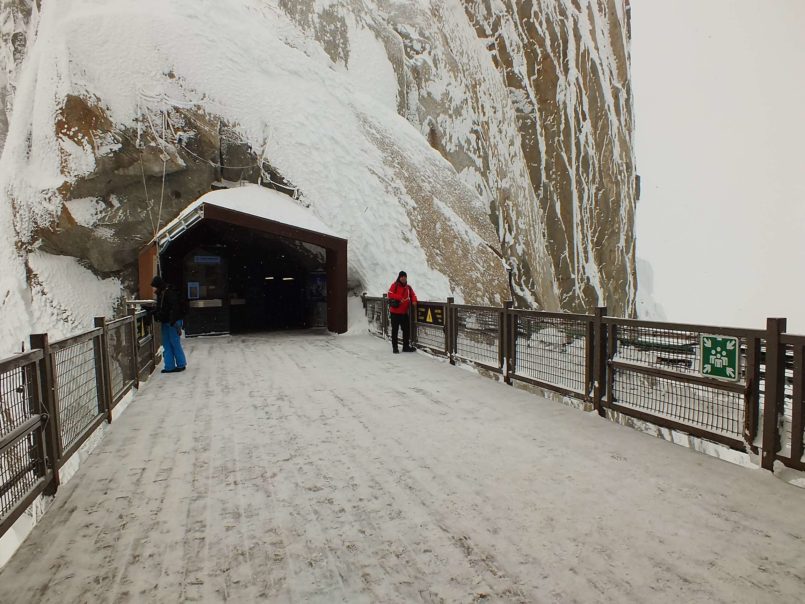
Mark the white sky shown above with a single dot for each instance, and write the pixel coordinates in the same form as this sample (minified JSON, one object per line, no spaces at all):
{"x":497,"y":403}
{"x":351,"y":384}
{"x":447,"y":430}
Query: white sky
{"x":720,"y":107}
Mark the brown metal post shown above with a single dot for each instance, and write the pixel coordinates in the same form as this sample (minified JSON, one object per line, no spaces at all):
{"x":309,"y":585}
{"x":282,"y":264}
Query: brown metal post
{"x":589,"y":358}
{"x":103,"y":370}
{"x":52,"y":431}
{"x":600,"y":357}
{"x":773,"y":403}
{"x":36,"y":406}
{"x":412,"y":323}
{"x":513,"y":334}
{"x":385,"y":320}
{"x":506,"y":340}
{"x":135,"y":348}
{"x":448,"y":329}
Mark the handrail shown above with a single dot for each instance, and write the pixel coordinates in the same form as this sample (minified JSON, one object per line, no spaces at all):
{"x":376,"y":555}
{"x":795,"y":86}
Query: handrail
{"x":613,"y":357}
{"x":19,"y":360}
{"x":73,"y":340}
{"x":727,"y":331}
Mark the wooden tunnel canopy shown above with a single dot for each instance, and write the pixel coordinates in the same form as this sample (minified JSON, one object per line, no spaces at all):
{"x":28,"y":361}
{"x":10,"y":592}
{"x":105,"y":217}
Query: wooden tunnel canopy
{"x":268,"y":211}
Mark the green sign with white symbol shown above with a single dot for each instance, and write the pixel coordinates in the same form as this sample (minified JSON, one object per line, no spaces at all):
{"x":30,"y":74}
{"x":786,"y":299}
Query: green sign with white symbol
{"x":719,"y":357}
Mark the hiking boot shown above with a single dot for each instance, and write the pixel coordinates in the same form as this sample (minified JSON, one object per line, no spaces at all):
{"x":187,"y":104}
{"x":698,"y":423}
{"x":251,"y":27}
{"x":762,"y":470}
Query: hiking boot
{"x":409,"y":349}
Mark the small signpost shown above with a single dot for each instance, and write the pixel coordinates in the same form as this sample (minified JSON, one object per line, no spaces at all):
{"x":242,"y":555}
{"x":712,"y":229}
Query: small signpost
{"x":719,"y":357}
{"x":430,"y":314}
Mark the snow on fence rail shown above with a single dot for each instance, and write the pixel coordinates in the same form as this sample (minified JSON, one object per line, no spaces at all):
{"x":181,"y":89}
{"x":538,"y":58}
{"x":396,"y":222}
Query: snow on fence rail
{"x":53,"y":398}
{"x":646,"y":370}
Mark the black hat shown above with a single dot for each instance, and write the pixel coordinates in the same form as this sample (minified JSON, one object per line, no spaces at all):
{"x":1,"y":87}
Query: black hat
{"x":158,"y":282}
{"x":402,"y":274}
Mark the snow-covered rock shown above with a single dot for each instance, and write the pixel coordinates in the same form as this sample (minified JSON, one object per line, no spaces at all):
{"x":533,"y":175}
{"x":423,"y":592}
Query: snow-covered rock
{"x":450,"y":139}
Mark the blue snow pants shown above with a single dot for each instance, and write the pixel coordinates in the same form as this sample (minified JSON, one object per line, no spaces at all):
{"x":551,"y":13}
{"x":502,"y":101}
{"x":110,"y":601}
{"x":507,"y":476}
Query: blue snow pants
{"x":172,"y":352}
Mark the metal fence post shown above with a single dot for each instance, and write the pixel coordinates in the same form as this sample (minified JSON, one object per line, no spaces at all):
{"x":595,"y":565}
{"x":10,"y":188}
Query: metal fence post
{"x":448,"y":329}
{"x":104,"y":372}
{"x":385,"y":322}
{"x":153,"y":342}
{"x":611,"y":340}
{"x":599,"y":358}
{"x":52,"y":431}
{"x":412,"y":323}
{"x":506,"y":341}
{"x":774,"y":402}
{"x":135,"y":348}
{"x":38,"y":454}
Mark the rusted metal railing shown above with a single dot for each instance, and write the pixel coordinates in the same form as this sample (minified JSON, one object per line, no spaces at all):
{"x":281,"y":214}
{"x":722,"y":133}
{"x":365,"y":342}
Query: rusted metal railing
{"x":649,"y":371}
{"x":55,"y":397}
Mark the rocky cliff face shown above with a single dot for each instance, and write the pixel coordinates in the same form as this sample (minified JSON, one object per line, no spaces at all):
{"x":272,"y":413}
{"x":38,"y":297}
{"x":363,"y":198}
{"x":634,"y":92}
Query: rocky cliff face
{"x":566,"y":68}
{"x":452,"y":138}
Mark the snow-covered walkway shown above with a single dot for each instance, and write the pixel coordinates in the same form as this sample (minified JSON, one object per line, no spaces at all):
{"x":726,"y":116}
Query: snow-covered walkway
{"x":319,"y":468}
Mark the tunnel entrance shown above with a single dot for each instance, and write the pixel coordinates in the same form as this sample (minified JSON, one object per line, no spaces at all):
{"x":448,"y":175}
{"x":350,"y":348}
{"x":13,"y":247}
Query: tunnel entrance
{"x":249,"y":259}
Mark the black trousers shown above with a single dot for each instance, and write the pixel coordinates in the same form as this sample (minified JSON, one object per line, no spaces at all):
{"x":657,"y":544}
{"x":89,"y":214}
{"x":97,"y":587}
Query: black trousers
{"x":404,"y":322}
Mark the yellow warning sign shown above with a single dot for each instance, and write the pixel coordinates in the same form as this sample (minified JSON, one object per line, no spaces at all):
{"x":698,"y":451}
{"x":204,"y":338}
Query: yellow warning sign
{"x":429,"y":313}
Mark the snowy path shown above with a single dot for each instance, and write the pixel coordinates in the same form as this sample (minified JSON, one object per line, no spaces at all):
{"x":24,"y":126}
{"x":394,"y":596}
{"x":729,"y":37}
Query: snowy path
{"x":317,"y":468}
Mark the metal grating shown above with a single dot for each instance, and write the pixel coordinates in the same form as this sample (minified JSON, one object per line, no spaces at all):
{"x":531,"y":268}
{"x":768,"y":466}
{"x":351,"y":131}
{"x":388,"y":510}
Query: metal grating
{"x":552,"y":350}
{"x":374,"y":313}
{"x":668,"y":349}
{"x":119,"y":340}
{"x":688,"y":403}
{"x":428,"y":335}
{"x":675,"y":350}
{"x":15,"y":399}
{"x":18,"y":472}
{"x":478,"y":335}
{"x":793,"y":417}
{"x":76,"y":389}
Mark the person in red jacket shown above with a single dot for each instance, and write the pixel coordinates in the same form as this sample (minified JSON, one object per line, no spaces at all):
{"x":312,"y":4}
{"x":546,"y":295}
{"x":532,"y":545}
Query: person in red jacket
{"x":401,"y":298}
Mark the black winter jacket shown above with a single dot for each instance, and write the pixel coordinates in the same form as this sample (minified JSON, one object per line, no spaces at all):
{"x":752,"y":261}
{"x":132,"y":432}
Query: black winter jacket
{"x":168,"y":308}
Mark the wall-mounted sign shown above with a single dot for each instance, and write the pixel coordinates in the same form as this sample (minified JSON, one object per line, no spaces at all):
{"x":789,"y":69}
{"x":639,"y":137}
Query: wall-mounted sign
{"x":430,"y":314}
{"x":206,"y":259}
{"x":719,"y":357}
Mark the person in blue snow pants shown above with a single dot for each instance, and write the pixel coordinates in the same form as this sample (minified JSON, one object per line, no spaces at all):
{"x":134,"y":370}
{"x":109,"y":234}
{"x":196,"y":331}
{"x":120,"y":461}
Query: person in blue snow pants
{"x":169,"y":313}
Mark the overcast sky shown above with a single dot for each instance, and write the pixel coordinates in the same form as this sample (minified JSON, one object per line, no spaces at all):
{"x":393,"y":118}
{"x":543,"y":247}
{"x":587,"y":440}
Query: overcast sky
{"x":720,"y":107}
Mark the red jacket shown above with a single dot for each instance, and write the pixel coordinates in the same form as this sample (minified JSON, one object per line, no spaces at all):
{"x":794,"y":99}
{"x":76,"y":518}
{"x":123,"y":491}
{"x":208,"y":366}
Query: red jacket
{"x":405,"y":294}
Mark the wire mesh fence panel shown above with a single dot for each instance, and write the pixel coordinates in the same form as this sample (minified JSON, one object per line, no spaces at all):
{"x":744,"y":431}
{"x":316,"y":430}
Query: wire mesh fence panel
{"x":669,"y":349}
{"x":478,"y":335}
{"x":552,"y":350}
{"x":430,"y":336}
{"x":19,"y":472}
{"x":144,"y":357}
{"x":119,"y":342}
{"x":696,"y":405}
{"x":19,"y":457}
{"x":76,"y":389}
{"x":15,"y":399}
{"x":792,"y":427}
{"x":673,"y":391}
{"x":374,"y":313}
{"x":144,"y":328}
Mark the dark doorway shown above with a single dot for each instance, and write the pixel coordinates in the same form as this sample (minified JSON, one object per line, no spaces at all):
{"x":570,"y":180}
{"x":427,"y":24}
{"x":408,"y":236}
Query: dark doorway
{"x":238,"y":280}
